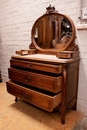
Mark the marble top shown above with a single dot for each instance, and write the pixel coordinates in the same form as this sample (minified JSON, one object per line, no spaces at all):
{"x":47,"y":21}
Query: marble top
{"x":44,"y":57}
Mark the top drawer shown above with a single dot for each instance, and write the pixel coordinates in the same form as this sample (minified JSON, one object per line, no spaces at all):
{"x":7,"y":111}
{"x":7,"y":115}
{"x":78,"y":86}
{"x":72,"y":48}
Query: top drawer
{"x":37,"y":66}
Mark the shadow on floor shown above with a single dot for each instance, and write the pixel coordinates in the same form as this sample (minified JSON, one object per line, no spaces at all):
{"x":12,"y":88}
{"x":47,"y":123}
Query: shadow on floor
{"x":82,"y":125}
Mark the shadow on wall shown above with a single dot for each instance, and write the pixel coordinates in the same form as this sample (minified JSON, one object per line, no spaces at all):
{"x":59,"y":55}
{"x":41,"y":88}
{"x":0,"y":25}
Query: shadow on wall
{"x":0,"y":74}
{"x":81,"y":40}
{"x":0,"y":60}
{"x":82,"y":86}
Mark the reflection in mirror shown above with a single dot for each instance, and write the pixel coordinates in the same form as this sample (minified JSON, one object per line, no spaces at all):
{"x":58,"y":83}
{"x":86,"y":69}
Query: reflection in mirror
{"x":64,"y":34}
{"x":53,"y":31}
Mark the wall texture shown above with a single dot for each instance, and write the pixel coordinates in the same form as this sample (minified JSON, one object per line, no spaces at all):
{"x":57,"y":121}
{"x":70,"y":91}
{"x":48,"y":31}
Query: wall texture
{"x":16,"y":20}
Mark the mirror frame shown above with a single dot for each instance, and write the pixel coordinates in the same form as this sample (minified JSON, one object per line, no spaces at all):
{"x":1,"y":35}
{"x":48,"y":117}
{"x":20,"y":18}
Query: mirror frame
{"x":68,"y":45}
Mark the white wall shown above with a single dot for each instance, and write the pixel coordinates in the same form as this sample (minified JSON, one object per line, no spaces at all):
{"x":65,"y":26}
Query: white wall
{"x":84,"y":3}
{"x":16,"y":20}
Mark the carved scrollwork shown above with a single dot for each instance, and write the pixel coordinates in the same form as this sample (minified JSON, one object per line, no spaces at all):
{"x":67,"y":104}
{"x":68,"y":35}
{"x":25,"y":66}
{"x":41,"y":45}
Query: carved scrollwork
{"x":50,"y":9}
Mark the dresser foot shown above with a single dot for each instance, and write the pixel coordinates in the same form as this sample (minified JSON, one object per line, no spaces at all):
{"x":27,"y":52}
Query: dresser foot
{"x":16,"y":99}
{"x":63,"y":115}
{"x":63,"y":121}
{"x":74,"y":107}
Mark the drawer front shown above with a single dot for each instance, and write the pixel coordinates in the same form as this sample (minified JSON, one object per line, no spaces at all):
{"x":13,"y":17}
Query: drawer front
{"x":41,"y":100}
{"x":52,"y":84}
{"x":37,"y":66}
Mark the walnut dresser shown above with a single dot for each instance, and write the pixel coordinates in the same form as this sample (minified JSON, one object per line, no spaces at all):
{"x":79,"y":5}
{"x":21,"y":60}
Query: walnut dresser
{"x":46,"y":75}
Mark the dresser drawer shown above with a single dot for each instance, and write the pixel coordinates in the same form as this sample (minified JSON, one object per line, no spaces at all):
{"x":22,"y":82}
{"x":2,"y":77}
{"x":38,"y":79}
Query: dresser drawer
{"x":37,"y":66}
{"x":41,"y":100}
{"x":49,"y":83}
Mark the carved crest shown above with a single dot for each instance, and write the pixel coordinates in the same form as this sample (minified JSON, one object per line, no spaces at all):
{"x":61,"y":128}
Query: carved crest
{"x":50,"y":9}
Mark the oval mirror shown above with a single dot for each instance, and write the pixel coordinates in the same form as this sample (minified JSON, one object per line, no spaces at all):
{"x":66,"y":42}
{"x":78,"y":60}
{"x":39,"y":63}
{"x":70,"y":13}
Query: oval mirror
{"x":53,"y":32}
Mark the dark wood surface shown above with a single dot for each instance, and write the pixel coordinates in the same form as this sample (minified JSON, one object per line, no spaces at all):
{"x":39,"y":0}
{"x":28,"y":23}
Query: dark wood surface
{"x":61,"y":78}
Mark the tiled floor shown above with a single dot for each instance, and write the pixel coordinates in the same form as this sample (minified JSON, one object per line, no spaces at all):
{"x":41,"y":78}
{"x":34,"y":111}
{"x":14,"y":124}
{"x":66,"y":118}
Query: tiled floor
{"x":24,"y":116}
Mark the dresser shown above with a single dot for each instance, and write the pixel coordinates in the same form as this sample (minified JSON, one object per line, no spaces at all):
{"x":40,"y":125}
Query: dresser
{"x":46,"y":75}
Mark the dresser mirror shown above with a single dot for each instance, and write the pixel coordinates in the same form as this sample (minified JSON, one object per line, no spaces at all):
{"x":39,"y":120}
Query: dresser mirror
{"x":53,"y":32}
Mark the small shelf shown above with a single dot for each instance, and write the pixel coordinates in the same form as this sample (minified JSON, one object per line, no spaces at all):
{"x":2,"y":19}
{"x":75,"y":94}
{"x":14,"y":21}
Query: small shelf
{"x":81,"y":26}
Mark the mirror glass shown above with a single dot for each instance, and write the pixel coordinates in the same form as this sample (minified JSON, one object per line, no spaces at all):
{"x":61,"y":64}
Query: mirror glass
{"x":52,"y":31}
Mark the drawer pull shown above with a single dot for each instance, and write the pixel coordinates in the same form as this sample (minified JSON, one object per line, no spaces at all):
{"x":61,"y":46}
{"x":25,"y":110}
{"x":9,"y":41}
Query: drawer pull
{"x":27,"y":96}
{"x":28,"y":79}
{"x":29,"y":65}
